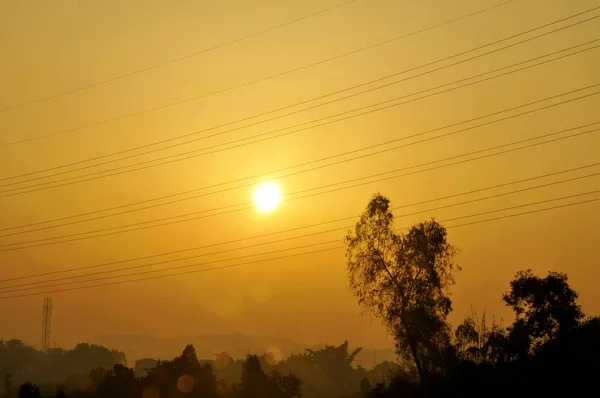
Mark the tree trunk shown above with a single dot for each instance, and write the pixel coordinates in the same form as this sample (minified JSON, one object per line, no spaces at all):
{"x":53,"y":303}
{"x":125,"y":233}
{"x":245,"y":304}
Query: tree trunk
{"x":413,"y":349}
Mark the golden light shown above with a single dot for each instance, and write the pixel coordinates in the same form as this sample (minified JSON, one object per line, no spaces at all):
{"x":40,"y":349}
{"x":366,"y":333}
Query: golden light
{"x":274,"y":355}
{"x":267,"y":196}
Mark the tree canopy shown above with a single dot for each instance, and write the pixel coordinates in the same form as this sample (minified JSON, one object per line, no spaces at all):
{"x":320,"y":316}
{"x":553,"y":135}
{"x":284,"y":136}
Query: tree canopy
{"x":404,"y":280}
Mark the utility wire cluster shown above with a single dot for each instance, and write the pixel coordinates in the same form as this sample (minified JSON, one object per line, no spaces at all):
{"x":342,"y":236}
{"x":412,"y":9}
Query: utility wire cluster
{"x":160,"y":265}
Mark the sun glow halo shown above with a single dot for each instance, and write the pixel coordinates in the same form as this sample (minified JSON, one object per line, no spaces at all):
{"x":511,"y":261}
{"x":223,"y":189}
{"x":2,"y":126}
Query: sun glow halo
{"x":267,"y":196}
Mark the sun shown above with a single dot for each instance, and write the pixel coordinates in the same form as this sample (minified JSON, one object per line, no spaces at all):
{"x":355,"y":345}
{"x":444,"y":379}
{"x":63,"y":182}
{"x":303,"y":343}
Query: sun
{"x":267,"y":196}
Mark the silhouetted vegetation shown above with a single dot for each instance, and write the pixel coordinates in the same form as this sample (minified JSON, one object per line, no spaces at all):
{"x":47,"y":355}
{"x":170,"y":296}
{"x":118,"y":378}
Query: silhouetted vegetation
{"x":28,"y":390}
{"x":20,"y":363}
{"x":404,"y":280}
{"x":550,"y":348}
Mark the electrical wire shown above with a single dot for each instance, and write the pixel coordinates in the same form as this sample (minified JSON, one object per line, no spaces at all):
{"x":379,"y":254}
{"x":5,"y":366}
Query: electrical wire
{"x":289,"y":71}
{"x":148,"y":164}
{"x":306,"y":253}
{"x":495,"y":196}
{"x":310,"y":162}
{"x":143,"y":225}
{"x":162,"y":64}
{"x":173,"y":268}
{"x":301,"y":103}
{"x":329,"y":242}
{"x":94,"y":266}
{"x":300,"y":172}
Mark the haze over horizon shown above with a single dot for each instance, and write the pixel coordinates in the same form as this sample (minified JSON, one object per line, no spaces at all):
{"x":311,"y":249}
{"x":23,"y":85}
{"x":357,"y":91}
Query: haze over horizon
{"x":59,"y":47}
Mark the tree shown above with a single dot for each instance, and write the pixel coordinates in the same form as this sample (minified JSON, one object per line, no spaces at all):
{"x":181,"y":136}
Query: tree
{"x":15,"y":344}
{"x":8,"y":385}
{"x":404,"y":280}
{"x":365,"y":385}
{"x":29,"y":390}
{"x":335,"y":362}
{"x":120,"y":382}
{"x":474,"y":338}
{"x":256,"y":384}
{"x":185,"y":374}
{"x":223,"y":360}
{"x":290,"y":385}
{"x":60,"y":394}
{"x":545,"y":307}
{"x":254,"y":380}
{"x":85,"y":357}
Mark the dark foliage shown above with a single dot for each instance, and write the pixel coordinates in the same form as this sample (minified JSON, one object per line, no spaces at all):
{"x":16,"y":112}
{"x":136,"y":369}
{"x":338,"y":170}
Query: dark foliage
{"x":550,"y":349}
{"x":404,"y":280}
{"x":28,"y":390}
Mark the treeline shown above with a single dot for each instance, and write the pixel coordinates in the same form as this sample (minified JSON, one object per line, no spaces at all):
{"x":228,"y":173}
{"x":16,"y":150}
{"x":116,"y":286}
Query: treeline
{"x":20,"y":363}
{"x":326,"y":372}
{"x":551,"y":347}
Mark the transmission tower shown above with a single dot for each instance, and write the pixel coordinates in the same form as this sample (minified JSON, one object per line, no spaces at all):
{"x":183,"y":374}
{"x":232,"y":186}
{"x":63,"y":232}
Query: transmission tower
{"x":46,"y":318}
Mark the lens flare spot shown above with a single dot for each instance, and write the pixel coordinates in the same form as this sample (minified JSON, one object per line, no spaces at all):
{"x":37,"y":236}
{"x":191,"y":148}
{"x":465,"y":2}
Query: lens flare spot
{"x":186,"y":384}
{"x":273,"y":355}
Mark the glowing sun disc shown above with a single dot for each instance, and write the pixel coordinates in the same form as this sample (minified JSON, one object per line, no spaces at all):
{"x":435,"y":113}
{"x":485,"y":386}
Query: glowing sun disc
{"x":267,"y":196}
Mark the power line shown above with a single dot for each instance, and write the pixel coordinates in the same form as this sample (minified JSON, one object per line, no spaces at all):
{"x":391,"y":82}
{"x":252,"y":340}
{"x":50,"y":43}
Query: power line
{"x":149,"y":164}
{"x":297,"y":228}
{"x":305,"y":164}
{"x":362,"y":178}
{"x":269,"y":78}
{"x":138,"y":226}
{"x":282,"y":250}
{"x":305,"y":253}
{"x":173,"y":268}
{"x":249,"y":206}
{"x":528,"y":204}
{"x":188,"y":272}
{"x":303,"y":110}
{"x":314,"y":168}
{"x":313,"y":234}
{"x":159,"y":65}
{"x":520,"y":214}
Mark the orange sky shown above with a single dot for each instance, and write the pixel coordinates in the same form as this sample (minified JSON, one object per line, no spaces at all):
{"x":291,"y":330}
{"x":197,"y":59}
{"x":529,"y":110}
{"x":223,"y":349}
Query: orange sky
{"x":52,"y":47}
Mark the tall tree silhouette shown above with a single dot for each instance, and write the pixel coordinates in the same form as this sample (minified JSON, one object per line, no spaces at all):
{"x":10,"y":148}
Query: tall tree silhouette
{"x":404,"y":280}
{"x":184,"y":374}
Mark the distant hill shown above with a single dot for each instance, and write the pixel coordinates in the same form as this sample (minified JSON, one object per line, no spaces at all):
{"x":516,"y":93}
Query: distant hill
{"x":237,"y":345}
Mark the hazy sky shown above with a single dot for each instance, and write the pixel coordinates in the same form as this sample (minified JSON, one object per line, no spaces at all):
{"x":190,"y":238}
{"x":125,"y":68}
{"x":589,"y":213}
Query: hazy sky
{"x":49,"y":47}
